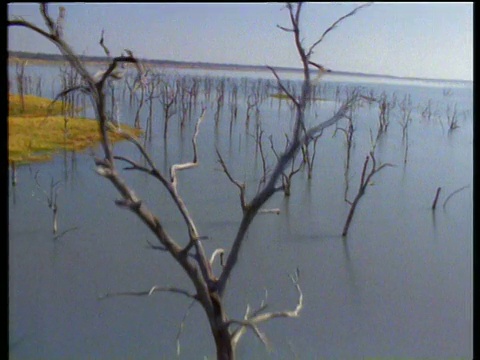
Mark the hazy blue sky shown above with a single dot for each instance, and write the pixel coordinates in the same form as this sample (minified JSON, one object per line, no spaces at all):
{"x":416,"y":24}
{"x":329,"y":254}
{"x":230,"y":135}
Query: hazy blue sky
{"x":429,"y":40}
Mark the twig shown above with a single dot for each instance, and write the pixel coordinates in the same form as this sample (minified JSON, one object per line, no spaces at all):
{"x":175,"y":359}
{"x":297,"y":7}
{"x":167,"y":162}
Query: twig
{"x":241,"y":186}
{"x":434,"y":205}
{"x":333,"y":26}
{"x":155,"y":288}
{"x":182,"y":325}
{"x":454,"y":193}
{"x":220,"y":252}
{"x":252,"y":320}
{"x":65,"y":232}
{"x":284,"y":89}
{"x":107,"y":52}
{"x":194,"y":162}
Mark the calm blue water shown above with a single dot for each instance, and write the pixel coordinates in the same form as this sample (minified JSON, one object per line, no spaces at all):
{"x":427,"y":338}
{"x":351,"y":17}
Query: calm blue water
{"x":399,"y":285}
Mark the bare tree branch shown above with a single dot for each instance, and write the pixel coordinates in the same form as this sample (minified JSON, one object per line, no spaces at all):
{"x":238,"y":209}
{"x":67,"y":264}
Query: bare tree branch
{"x":364,"y":181}
{"x":453,"y":193}
{"x":194,"y":162}
{"x":284,"y":28}
{"x":46,"y":17}
{"x":269,"y":189}
{"x":102,"y":44}
{"x":241,"y":186}
{"x":333,"y":26}
{"x":56,"y":237}
{"x":182,"y":325}
{"x":154,"y":289}
{"x":284,"y":89}
{"x":437,"y":193}
{"x":252,"y":320}
{"x":209,"y":289}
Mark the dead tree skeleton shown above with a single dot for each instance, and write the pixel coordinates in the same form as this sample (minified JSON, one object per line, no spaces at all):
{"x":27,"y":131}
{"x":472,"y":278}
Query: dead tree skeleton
{"x":210,"y":288}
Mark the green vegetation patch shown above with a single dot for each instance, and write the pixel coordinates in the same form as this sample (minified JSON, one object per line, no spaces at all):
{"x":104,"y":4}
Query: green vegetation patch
{"x":33,"y":137}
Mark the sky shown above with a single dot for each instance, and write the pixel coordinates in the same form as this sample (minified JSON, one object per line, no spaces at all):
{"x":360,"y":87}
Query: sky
{"x":424,"y":40}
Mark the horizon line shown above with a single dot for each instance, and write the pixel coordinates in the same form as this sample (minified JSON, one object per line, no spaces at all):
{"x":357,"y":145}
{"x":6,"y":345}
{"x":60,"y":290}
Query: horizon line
{"x":229,"y":65}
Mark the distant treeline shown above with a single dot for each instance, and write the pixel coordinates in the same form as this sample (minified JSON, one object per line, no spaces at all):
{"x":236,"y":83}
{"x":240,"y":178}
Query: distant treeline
{"x":169,"y":63}
{"x":210,"y":66}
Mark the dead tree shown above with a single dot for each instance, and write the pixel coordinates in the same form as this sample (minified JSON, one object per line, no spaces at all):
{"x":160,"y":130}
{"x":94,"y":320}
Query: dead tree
{"x":51,"y":197}
{"x":20,"y":76}
{"x":405,"y":120}
{"x":251,"y":104}
{"x":130,"y":87}
{"x":365,"y":180}
{"x":348,"y":132}
{"x":185,"y":102}
{"x":210,"y":288}
{"x":233,"y":107}
{"x":220,"y":100}
{"x":167,"y":99}
{"x":427,"y":112}
{"x":452,"y":117}
{"x":384,"y":108}
{"x":140,"y":82}
{"x":286,"y":176}
{"x":70,"y":79}
{"x":151,"y":95}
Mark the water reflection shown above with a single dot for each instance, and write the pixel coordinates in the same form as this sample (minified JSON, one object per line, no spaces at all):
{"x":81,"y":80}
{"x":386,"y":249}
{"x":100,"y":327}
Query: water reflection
{"x":376,"y":292}
{"x":351,"y":277}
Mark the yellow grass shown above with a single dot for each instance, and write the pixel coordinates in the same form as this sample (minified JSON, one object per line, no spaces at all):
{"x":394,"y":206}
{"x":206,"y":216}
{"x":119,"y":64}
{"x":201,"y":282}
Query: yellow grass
{"x":35,"y":137}
{"x":34,"y":106}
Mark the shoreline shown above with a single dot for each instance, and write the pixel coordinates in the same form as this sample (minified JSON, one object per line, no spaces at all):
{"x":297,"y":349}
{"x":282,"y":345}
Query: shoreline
{"x":51,"y":59}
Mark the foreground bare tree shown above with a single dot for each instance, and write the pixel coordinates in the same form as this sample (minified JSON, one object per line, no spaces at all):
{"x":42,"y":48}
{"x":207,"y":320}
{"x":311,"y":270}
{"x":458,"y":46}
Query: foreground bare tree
{"x":210,"y":288}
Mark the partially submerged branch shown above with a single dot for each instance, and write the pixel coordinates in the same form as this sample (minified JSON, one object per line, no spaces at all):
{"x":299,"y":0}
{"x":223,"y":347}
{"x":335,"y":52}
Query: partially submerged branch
{"x":194,"y":162}
{"x":454,"y":193}
{"x":251,"y":320}
{"x":364,"y":182}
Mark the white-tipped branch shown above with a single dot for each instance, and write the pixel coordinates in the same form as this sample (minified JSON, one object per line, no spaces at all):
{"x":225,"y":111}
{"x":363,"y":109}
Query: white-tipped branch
{"x":56,"y":237}
{"x":219,"y":252}
{"x":194,"y":162}
{"x":252,"y":320}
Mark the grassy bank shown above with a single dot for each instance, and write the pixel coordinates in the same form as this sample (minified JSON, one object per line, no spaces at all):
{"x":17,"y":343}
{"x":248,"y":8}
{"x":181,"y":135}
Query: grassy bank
{"x":33,"y":136}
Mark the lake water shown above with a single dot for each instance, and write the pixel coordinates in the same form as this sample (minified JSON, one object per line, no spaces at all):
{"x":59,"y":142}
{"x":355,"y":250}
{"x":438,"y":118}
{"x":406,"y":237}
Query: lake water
{"x":399,"y":285}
